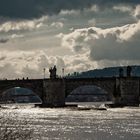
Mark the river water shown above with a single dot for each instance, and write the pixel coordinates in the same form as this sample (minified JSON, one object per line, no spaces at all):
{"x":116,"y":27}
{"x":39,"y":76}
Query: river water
{"x":70,"y":123}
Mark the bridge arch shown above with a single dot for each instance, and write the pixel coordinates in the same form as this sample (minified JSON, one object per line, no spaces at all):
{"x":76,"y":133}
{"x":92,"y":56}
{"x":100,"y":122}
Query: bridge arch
{"x":34,"y":85}
{"x":107,"y":85}
{"x":20,"y":95}
{"x":88,"y":93}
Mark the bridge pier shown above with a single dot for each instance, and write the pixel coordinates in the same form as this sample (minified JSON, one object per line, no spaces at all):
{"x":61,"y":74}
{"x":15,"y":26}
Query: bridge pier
{"x":54,"y":93}
{"x":128,"y":90}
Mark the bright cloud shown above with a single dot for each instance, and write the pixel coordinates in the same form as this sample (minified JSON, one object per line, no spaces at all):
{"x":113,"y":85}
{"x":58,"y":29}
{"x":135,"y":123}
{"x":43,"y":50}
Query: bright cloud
{"x":137,"y":11}
{"x":69,"y":12}
{"x":74,"y":36}
{"x":57,"y":24}
{"x":123,"y":8}
{"x":22,"y":25}
{"x":106,"y":44}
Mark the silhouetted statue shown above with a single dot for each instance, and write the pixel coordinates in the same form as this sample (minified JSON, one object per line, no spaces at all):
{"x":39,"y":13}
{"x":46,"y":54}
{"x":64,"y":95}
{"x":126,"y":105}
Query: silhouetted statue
{"x":53,"y":72}
{"x":129,"y":70}
{"x":50,"y":70}
{"x":121,"y":72}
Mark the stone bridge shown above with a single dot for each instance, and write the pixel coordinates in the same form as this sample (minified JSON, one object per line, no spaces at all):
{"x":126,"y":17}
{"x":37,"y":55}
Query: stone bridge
{"x":124,"y":90}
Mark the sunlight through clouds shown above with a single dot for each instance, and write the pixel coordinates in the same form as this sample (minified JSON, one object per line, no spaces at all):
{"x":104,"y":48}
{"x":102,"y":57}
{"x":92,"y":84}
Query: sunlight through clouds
{"x":75,"y":35}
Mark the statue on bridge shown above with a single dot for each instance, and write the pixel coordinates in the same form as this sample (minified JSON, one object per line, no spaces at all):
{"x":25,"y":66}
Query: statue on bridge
{"x":53,"y":72}
{"x":121,"y":72}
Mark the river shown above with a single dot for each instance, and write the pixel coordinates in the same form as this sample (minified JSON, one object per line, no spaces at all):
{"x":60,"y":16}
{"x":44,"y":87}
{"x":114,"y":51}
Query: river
{"x":70,"y":123}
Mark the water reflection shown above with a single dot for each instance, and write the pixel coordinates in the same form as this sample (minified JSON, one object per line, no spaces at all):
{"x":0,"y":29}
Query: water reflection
{"x":70,"y":123}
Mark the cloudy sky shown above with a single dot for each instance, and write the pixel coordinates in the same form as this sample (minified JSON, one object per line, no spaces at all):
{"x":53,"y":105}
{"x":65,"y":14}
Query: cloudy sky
{"x":76,"y":35}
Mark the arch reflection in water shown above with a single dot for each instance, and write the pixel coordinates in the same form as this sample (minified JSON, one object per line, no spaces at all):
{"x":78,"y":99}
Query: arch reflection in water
{"x":20,"y":95}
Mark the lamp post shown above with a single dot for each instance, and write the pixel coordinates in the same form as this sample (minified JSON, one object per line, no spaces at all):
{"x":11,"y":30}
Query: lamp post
{"x":44,"y":72}
{"x":62,"y":72}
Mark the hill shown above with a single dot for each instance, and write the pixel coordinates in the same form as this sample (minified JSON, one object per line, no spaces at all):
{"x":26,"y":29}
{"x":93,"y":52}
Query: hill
{"x":106,"y":72}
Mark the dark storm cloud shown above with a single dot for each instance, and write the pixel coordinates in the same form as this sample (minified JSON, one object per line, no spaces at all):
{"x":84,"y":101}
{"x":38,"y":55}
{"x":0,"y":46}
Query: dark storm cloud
{"x":35,"y":8}
{"x":2,"y":58}
{"x":4,"y":40}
